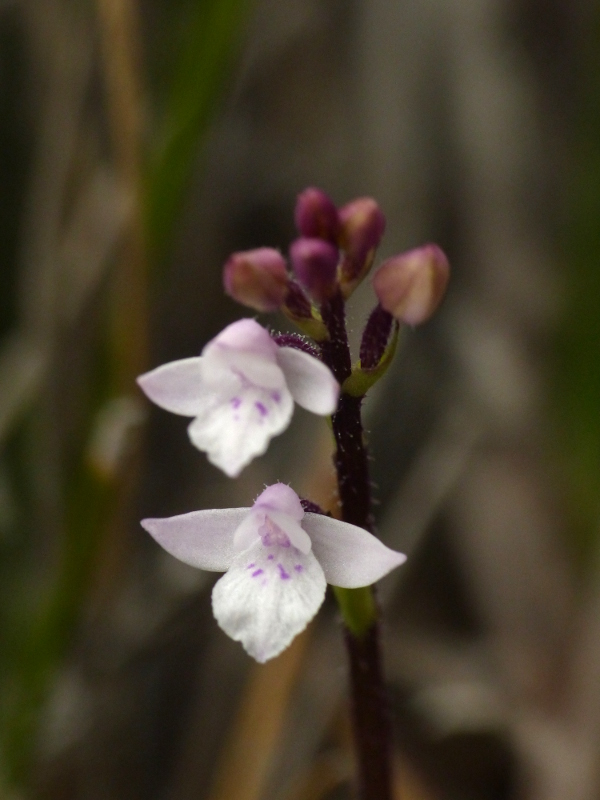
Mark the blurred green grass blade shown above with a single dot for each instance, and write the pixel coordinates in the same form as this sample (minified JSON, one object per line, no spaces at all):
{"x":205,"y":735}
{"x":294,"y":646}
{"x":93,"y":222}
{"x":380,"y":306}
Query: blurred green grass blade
{"x":577,"y":375}
{"x":201,"y":70}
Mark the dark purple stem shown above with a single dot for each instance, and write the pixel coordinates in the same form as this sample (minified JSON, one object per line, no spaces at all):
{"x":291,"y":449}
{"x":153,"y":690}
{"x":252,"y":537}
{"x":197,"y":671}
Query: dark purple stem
{"x":372,"y":724}
{"x":370,"y":712}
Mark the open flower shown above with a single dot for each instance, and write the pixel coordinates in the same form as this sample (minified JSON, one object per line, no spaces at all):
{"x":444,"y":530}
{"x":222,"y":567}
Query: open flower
{"x":241,"y":392}
{"x":278,"y":560}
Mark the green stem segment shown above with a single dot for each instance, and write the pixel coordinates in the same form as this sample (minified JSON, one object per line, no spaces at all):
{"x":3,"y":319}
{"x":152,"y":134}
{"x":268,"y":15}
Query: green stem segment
{"x":358,"y":608}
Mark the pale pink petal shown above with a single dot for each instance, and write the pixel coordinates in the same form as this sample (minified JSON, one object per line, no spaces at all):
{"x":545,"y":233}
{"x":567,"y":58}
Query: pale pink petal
{"x":246,"y":534}
{"x":203,"y":539}
{"x":350,"y":556}
{"x":267,"y":597}
{"x":296,"y":535}
{"x":252,"y":367}
{"x":281,"y":497}
{"x":232,"y":433}
{"x":176,"y":387}
{"x":311,"y":383}
{"x":245,"y":334}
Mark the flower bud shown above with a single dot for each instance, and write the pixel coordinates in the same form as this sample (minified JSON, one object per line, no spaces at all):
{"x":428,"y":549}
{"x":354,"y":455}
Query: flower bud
{"x":411,"y":285}
{"x":257,"y":278}
{"x":316,"y":215}
{"x":315,"y":265}
{"x":363,"y":224}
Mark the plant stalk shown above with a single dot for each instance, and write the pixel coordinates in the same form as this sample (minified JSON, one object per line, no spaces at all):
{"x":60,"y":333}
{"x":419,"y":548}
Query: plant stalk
{"x":371,"y":719}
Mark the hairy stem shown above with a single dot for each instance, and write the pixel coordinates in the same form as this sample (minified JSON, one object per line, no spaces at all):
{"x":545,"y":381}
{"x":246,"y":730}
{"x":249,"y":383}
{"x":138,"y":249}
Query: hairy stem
{"x":370,"y":713}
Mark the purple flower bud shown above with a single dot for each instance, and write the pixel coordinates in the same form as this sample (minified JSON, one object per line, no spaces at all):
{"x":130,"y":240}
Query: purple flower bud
{"x":315,"y":264}
{"x":411,"y":285}
{"x":363,"y":224}
{"x":375,"y":337}
{"x":316,"y":215}
{"x":257,"y":278}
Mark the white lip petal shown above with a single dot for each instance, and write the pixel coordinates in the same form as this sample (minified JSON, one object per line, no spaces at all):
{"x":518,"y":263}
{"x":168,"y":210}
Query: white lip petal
{"x":350,"y":556}
{"x":203,"y":539}
{"x":176,"y":386}
{"x":234,"y":432}
{"x":311,"y":383}
{"x":267,"y":597}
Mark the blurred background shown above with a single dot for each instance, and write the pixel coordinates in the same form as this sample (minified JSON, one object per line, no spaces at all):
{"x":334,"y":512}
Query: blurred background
{"x":142,"y":141}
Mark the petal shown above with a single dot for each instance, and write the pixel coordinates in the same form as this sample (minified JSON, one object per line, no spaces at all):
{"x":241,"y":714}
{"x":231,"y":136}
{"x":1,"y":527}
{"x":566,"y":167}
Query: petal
{"x":246,"y":534}
{"x":267,"y":597}
{"x":281,"y":497}
{"x":176,"y":386}
{"x":297,"y":535}
{"x":252,"y":367}
{"x":350,"y":556}
{"x":311,"y":383}
{"x":245,"y":334}
{"x":203,"y":539}
{"x":234,"y":431}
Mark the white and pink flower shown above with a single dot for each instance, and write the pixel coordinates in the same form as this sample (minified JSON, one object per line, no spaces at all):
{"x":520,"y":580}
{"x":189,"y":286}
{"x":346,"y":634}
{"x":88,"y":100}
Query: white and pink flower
{"x":241,"y":392}
{"x":277,"y":561}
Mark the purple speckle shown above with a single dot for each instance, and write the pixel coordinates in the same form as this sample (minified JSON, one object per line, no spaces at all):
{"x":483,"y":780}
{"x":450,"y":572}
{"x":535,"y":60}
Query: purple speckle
{"x":271,"y":557}
{"x":282,"y":573}
{"x":236,"y":402}
{"x":275,"y":396}
{"x":250,"y":566}
{"x":257,"y":572}
{"x":262,"y":409}
{"x":298,"y":567}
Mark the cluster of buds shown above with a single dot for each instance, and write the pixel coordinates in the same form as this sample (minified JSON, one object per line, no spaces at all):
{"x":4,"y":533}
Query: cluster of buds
{"x":333,"y":253}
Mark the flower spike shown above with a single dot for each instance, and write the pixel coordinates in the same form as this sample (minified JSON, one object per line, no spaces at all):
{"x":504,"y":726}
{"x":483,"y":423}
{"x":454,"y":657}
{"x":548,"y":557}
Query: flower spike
{"x":241,"y":392}
{"x":277,"y":561}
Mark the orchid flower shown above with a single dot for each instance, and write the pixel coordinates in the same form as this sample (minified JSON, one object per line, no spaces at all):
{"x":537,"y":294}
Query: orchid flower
{"x":241,"y":392}
{"x":278,"y":560}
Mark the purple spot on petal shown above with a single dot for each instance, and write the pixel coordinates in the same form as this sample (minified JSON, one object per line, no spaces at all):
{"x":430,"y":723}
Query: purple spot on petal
{"x":271,"y":557}
{"x":250,"y":566}
{"x":262,"y":409}
{"x":275,"y":397}
{"x":282,"y":573}
{"x":236,"y":402}
{"x":257,"y":572}
{"x":298,"y":567}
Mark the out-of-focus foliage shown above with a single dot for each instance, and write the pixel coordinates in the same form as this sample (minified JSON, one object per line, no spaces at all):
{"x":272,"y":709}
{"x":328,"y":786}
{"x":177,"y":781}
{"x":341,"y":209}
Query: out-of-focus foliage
{"x":43,"y":594}
{"x":208,"y":31}
{"x":577,"y":377}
